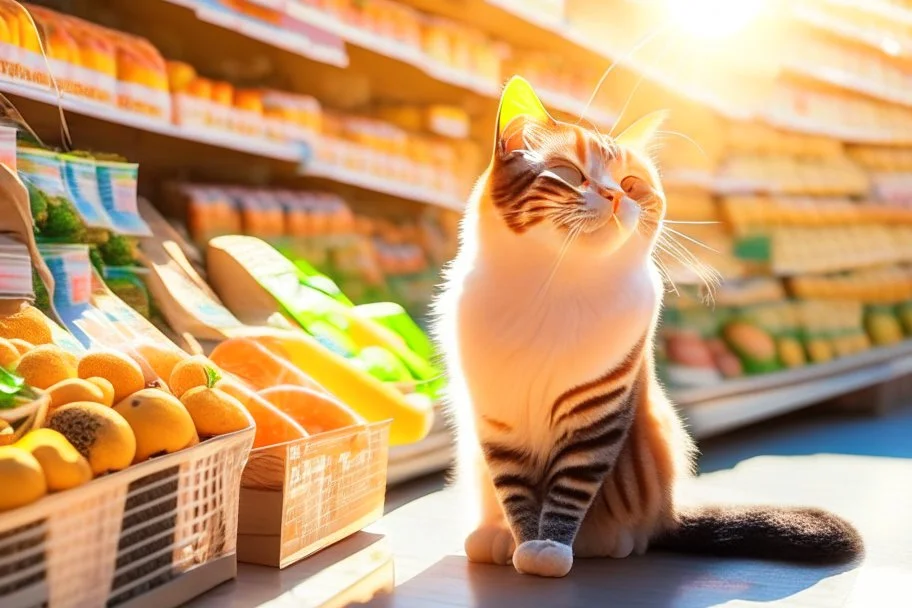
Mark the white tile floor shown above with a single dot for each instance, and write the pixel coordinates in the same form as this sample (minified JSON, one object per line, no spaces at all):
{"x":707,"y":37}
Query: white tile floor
{"x":858,"y":467}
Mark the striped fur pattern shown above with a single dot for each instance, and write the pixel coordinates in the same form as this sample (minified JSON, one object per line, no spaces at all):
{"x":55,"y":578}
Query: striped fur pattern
{"x":567,"y":444}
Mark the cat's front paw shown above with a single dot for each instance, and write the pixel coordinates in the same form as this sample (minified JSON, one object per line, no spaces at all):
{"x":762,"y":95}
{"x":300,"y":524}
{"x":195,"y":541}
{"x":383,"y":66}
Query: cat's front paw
{"x":543,"y":558}
{"x":490,"y":544}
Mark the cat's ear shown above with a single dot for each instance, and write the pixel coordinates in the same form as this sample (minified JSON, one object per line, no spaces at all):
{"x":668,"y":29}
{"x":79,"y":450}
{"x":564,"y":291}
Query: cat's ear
{"x":641,"y":133}
{"x":518,"y":100}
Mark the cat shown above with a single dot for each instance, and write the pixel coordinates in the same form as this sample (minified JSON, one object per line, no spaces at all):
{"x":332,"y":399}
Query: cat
{"x":546,"y":319}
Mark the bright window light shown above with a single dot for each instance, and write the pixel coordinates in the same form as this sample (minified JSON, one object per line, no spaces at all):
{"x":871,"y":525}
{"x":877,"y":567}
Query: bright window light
{"x":712,"y":18}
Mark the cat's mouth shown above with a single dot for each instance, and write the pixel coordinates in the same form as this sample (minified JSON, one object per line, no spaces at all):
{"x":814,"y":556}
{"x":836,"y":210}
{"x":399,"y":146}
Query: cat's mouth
{"x":607,"y":225}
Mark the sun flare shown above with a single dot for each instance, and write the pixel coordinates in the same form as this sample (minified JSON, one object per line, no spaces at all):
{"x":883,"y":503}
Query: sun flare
{"x":713,"y":18}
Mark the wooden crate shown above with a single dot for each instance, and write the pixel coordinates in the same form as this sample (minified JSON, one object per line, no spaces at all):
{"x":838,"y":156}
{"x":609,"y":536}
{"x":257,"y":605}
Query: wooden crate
{"x":302,"y":496}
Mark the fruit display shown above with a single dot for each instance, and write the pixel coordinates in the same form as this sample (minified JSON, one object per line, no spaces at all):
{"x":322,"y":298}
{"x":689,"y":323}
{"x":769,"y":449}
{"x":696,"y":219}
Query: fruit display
{"x":107,"y":409}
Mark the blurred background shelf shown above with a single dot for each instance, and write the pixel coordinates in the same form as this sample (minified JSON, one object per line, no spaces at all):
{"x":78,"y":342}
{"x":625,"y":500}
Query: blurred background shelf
{"x":733,"y":404}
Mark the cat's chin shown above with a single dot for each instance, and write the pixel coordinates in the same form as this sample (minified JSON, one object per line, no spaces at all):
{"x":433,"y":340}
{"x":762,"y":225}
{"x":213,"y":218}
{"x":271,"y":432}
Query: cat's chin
{"x":606,"y":240}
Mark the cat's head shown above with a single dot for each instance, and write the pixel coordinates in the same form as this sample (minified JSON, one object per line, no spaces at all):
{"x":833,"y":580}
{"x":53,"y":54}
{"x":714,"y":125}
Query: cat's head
{"x":564,"y":185}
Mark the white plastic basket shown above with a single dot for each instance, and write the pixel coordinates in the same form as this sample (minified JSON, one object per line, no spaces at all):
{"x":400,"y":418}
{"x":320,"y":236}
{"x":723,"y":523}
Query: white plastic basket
{"x":155,"y":534}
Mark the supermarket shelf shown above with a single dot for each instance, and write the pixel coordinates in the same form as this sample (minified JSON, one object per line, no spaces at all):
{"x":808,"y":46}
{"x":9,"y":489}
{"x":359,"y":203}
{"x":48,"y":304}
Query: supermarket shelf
{"x":810,"y":126}
{"x":841,"y":28}
{"x":389,"y":48}
{"x":878,"y":8}
{"x":373,"y":183}
{"x":320,"y":22}
{"x":316,"y":44}
{"x":848,"y":81}
{"x":281,"y":151}
{"x":220,"y":139}
{"x":716,"y":409}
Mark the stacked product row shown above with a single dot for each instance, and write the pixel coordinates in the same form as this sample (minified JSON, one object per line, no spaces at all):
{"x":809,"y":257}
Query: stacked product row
{"x":815,"y":263}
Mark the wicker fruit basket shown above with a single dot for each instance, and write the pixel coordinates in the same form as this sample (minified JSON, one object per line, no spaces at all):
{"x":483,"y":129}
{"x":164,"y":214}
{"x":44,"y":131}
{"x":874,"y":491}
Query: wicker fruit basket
{"x":155,"y":534}
{"x":300,"y":497}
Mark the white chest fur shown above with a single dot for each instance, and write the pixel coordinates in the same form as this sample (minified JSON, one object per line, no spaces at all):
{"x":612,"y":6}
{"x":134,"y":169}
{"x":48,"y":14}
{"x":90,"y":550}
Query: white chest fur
{"x":519,"y":347}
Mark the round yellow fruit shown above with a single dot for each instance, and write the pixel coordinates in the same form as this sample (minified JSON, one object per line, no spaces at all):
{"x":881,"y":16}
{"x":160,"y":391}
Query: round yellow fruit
{"x":21,"y":478}
{"x":106,"y":388}
{"x":160,"y":358}
{"x":190,"y":373}
{"x":820,"y":350}
{"x":97,"y":432}
{"x":64,"y":467}
{"x":28,"y":324}
{"x":72,"y":390}
{"x":791,"y":353}
{"x":21,"y":345}
{"x":45,"y":365}
{"x":159,"y":421}
{"x":121,"y":371}
{"x":9,"y":355}
{"x":215,"y":412}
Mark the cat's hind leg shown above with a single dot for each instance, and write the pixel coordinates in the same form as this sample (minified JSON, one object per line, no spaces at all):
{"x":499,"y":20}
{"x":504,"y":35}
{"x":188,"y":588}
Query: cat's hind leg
{"x":491,"y":541}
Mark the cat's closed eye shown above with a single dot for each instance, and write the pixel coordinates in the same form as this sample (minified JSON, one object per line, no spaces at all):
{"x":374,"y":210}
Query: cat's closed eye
{"x":569,"y":173}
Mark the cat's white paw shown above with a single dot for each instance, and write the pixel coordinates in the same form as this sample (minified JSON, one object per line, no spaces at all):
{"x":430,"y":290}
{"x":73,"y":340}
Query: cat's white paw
{"x":490,"y":544}
{"x":543,"y":558}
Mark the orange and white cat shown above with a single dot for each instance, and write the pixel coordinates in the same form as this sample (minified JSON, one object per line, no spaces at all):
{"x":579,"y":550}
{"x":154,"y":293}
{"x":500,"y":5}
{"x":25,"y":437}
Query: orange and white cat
{"x":567,"y":444}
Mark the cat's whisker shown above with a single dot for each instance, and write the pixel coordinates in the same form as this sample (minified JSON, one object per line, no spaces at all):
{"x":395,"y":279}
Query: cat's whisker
{"x":707,"y":275}
{"x":565,"y":247}
{"x":692,"y":223}
{"x":666,"y":275}
{"x":635,"y":88}
{"x":691,"y":239}
{"x":636,"y":47}
{"x":686,"y":138}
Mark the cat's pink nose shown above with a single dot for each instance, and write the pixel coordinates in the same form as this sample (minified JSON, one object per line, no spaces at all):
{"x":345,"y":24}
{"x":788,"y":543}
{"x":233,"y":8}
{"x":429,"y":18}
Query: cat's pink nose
{"x":612,"y":196}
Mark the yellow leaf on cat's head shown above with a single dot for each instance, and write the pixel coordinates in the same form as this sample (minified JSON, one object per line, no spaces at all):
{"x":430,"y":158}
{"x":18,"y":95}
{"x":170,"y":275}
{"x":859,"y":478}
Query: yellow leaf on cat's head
{"x":519,"y":99}
{"x":641,"y":133}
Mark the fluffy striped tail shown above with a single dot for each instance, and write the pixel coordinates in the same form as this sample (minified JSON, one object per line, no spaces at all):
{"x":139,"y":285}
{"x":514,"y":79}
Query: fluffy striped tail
{"x":774,"y":533}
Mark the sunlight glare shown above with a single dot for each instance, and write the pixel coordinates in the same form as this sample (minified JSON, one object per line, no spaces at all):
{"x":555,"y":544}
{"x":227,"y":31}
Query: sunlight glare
{"x":712,"y":18}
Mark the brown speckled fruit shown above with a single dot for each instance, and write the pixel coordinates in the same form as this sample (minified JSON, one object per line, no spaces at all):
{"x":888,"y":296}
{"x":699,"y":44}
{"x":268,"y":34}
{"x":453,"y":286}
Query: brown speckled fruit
{"x":159,"y":421}
{"x":99,"y":433}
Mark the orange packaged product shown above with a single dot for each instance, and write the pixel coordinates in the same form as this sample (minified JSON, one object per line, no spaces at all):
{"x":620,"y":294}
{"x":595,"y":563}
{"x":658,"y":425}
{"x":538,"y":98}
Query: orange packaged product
{"x":260,"y":367}
{"x":10,"y":28}
{"x":201,"y":88}
{"x":142,"y":77}
{"x":272,"y":425}
{"x":317,"y":412}
{"x":180,"y":75}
